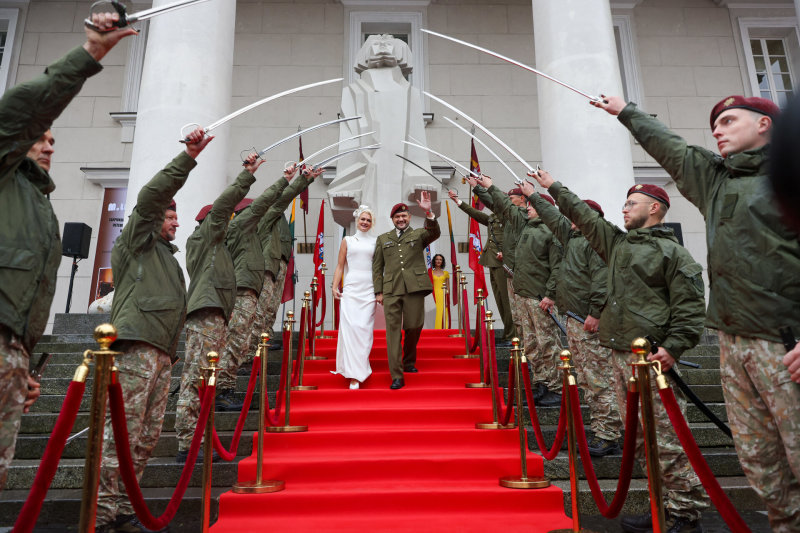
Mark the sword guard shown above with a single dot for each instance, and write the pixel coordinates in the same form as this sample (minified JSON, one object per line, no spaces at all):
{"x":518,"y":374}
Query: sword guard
{"x":244,"y":153}
{"x":102,"y":6}
{"x":185,"y":134}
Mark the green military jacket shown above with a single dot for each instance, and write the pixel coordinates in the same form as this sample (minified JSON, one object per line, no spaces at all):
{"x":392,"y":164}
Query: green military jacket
{"x":494,"y":238}
{"x":273,"y":229}
{"x":753,"y":258}
{"x":30,"y":242}
{"x":208,"y":261}
{"x":398,"y":266}
{"x":537,"y":254}
{"x":510,"y":231}
{"x":149,"y":289}
{"x":654,"y":286}
{"x":582,"y":284}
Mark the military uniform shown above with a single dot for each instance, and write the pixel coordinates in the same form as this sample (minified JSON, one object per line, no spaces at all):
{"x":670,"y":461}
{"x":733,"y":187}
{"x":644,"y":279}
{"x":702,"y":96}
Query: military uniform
{"x":581,"y":287}
{"x":753,"y":265}
{"x":654,"y":288}
{"x":492,"y":247}
{"x":399,"y":272}
{"x":212,"y":288}
{"x":148,"y":311}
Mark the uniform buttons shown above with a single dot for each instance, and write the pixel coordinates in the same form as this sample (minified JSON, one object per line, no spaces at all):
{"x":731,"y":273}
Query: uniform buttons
{"x":402,"y":268}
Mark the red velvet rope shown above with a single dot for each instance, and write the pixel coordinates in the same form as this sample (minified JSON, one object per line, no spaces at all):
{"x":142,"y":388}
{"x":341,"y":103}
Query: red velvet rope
{"x":312,"y":321}
{"x":301,"y":346}
{"x":465,"y":311}
{"x":324,"y":299}
{"x":551,"y":453}
{"x":478,"y":330}
{"x":230,"y":454}
{"x":117,"y":407}
{"x":52,"y":456}
{"x":628,"y":453}
{"x":273,"y":416}
{"x":497,"y":396}
{"x":721,"y":501}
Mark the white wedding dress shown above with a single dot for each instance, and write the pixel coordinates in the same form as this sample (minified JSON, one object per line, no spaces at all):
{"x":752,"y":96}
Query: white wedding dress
{"x":356,"y":309}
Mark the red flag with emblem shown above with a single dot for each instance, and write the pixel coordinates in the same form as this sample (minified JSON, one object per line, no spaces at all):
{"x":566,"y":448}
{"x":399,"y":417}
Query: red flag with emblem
{"x":475,"y":244}
{"x":304,"y":194}
{"x":475,"y":166}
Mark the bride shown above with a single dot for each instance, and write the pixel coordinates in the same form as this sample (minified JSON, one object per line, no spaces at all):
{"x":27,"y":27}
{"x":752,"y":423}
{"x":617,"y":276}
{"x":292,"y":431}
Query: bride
{"x":357,"y":308}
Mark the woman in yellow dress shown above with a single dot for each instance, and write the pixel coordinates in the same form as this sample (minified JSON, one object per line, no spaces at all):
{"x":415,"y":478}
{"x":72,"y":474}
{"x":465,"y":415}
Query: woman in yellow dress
{"x":440,"y":276}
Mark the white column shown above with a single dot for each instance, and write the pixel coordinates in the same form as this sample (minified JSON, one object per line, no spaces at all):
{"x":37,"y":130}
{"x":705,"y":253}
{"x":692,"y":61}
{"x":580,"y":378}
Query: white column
{"x":585,"y":148}
{"x":797,"y":9}
{"x":186,"y":78}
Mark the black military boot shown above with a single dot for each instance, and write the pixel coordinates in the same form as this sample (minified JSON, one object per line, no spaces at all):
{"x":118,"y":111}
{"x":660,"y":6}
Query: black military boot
{"x":226,"y":401}
{"x":640,"y":523}
{"x":539,"y":390}
{"x":600,"y":447}
{"x":549,"y":399}
{"x":680,"y":524}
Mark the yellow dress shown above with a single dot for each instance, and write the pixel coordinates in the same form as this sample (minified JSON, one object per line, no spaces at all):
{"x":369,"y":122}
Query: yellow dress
{"x":438,"y":293}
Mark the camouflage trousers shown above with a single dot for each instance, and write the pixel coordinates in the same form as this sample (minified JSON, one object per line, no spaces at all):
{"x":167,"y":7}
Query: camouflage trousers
{"x":592,"y":363}
{"x":13,"y":392}
{"x":762,"y":403}
{"x":267,"y":308}
{"x":684,"y":495}
{"x":516,"y":313}
{"x":237,"y":338}
{"x":205,"y":332}
{"x":144,"y":375}
{"x":542,"y":344}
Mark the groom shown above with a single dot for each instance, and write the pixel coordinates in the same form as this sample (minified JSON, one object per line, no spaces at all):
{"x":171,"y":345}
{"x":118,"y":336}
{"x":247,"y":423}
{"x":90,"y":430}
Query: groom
{"x":400,"y":278}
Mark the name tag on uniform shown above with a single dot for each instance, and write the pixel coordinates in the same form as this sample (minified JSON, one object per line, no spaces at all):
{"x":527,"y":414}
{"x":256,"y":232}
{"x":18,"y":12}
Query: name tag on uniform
{"x":387,"y":244}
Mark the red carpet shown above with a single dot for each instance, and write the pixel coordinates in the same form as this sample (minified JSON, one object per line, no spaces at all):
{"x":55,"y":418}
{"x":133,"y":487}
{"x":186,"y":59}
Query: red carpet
{"x":376,"y":459}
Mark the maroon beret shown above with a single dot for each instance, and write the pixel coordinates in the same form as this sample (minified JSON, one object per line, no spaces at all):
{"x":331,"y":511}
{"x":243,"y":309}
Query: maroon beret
{"x":516,"y":190}
{"x":653,"y":191}
{"x":398,"y":208}
{"x":548,"y":198}
{"x":172,"y":205}
{"x":594,"y":205}
{"x":754,"y":103}
{"x":241,"y":205}
{"x":203,"y":213}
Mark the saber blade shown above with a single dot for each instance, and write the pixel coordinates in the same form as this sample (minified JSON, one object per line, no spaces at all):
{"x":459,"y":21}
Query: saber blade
{"x":127,"y":20}
{"x":515,"y":62}
{"x":423,"y":169}
{"x":451,"y":161}
{"x":484,"y":129}
{"x":457,"y":125}
{"x":315,"y":154}
{"x":299,"y":133}
{"x":333,"y":158}
{"x":152,"y":12}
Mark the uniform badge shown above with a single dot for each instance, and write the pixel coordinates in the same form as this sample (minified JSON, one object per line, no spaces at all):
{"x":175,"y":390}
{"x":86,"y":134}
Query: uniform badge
{"x":729,"y":101}
{"x":638,"y":187}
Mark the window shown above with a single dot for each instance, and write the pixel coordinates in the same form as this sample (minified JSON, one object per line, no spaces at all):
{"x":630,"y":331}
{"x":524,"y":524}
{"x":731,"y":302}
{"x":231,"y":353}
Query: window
{"x":628,"y":69}
{"x":8,"y":25}
{"x":772,"y":51}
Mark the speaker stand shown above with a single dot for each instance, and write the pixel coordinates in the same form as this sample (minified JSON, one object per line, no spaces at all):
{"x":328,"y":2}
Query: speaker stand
{"x":72,"y":280}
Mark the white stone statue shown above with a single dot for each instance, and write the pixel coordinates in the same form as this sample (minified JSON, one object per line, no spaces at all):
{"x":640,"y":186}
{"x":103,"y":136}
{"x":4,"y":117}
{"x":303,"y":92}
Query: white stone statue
{"x":391,"y":108}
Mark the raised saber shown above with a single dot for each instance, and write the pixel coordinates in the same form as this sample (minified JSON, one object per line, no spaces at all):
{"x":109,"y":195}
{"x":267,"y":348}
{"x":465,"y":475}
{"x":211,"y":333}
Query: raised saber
{"x":342,"y":154}
{"x":484,"y":129}
{"x":517,"y":63}
{"x":315,"y":154}
{"x":457,"y":125}
{"x":424,"y":170}
{"x":307,"y":130}
{"x":247,"y":108}
{"x":434,"y":152}
{"x":127,"y":20}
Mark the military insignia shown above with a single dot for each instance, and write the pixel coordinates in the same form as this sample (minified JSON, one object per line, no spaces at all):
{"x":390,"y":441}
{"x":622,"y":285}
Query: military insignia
{"x":638,"y":187}
{"x":387,"y":244}
{"x":729,"y":101}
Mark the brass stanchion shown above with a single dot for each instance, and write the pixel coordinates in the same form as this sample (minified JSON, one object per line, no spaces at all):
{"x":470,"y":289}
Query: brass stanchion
{"x":523,"y":481}
{"x":466,"y":355}
{"x":286,"y":427}
{"x":457,"y":298}
{"x":495,"y":424}
{"x":208,"y":442}
{"x":307,"y":305}
{"x":445,"y":305}
{"x":322,"y":335}
{"x":105,"y":335}
{"x":478,"y":333}
{"x":260,"y":485}
{"x":641,"y":347}
{"x":312,"y":318}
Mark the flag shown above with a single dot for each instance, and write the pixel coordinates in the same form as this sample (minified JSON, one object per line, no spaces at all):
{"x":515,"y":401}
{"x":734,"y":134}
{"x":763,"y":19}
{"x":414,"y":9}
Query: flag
{"x":453,"y":257}
{"x":304,"y":194}
{"x":319,"y":253}
{"x":291,"y":276}
{"x":475,"y":167}
{"x":475,"y":251}
{"x":335,"y":301}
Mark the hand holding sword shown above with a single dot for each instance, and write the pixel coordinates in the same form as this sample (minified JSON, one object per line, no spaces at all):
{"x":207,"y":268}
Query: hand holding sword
{"x":252,"y":162}
{"x":196,"y":141}
{"x":103,"y":35}
{"x":611,"y":104}
{"x":542,"y":176}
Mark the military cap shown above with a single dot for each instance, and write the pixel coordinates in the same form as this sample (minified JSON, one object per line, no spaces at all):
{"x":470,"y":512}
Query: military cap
{"x":653,"y":191}
{"x":241,"y":205}
{"x":398,"y":208}
{"x":203,"y":213}
{"x":754,"y":103}
{"x":548,"y":198}
{"x":516,"y":190}
{"x":594,"y":205}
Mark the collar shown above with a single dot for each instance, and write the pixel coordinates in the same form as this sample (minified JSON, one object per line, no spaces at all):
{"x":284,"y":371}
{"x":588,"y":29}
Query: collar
{"x":748,"y":163}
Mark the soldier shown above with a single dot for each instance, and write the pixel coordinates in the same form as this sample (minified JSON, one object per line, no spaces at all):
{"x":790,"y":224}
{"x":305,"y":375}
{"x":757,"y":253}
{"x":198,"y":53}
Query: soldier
{"x":245,"y":246}
{"x":492,"y":257}
{"x":581,"y":288}
{"x":402,"y":283}
{"x":753,"y":261}
{"x":29,"y":232}
{"x":148,"y":310}
{"x":537,"y":260}
{"x":212,"y":289}
{"x":654,"y":288}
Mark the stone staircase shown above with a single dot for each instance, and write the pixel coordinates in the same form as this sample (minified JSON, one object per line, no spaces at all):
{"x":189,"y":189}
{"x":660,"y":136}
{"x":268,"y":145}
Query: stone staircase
{"x":72,"y":335}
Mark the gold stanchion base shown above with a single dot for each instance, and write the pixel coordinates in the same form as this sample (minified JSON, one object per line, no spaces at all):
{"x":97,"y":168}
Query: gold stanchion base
{"x":465,"y":356}
{"x":252,"y":487}
{"x":494,"y":425}
{"x":286,"y":429}
{"x":477,"y":385}
{"x":315,"y":358}
{"x":304,"y":387}
{"x":514,"y":482}
{"x":456,"y":336}
{"x":323,"y":337}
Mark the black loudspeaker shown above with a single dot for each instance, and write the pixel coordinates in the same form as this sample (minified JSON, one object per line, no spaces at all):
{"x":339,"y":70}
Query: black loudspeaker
{"x":676,"y":227}
{"x":76,"y":239}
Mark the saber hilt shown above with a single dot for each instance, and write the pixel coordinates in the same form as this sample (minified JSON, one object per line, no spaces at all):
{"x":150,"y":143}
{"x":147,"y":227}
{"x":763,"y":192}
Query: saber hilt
{"x":787,"y":337}
{"x":118,"y":6}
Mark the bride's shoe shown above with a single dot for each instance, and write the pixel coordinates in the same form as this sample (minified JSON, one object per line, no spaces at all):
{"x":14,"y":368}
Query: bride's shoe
{"x":354,"y":383}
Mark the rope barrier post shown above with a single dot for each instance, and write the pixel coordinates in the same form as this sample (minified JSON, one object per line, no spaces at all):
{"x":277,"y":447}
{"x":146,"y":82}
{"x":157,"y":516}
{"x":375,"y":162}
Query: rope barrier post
{"x":457,"y":298}
{"x":312,"y":324}
{"x":105,"y":335}
{"x":208,"y":443}
{"x":322,"y":335}
{"x":286,"y":427}
{"x":259,"y":486}
{"x":479,"y":332}
{"x":462,"y":311}
{"x":308,"y":305}
{"x":641,"y":347}
{"x":495,"y":423}
{"x":523,"y":481}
